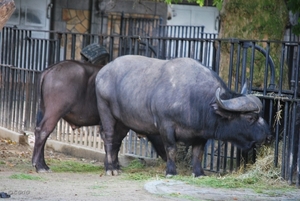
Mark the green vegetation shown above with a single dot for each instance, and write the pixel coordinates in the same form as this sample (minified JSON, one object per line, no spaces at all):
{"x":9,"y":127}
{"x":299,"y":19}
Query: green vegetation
{"x":238,"y":181}
{"x":23,"y":176}
{"x":254,"y":20}
{"x":138,"y":171}
{"x":262,"y":176}
{"x":72,"y":166}
{"x":200,"y":2}
{"x":181,"y":196}
{"x":217,"y":3}
{"x":98,"y":187}
{"x":294,"y":6}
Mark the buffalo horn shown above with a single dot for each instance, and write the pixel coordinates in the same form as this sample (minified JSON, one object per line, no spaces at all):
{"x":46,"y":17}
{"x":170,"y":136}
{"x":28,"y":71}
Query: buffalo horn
{"x":244,"y":103}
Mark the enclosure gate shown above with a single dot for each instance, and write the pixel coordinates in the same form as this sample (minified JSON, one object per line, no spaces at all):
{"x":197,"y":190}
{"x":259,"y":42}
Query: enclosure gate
{"x":23,"y":58}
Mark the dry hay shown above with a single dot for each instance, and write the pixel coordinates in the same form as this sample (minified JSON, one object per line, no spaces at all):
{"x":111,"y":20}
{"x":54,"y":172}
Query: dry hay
{"x":264,"y":169}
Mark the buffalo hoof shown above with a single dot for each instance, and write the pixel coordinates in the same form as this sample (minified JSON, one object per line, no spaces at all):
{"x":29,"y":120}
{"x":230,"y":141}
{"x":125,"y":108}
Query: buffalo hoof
{"x":112,"y":172}
{"x":169,"y":175}
{"x":43,"y":171}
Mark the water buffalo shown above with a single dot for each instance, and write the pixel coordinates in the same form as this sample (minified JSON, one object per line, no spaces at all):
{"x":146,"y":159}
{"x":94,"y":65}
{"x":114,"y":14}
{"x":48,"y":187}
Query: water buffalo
{"x":179,"y":99}
{"x":67,"y":90}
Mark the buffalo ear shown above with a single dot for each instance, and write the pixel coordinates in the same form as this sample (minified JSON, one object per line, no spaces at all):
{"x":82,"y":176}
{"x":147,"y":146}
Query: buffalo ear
{"x":221,"y":112}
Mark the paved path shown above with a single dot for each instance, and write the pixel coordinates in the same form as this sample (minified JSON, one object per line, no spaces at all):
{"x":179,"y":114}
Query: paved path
{"x":188,"y":192}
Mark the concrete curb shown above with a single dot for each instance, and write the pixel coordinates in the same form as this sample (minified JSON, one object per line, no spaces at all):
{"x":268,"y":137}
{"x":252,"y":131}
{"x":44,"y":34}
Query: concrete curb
{"x":74,"y":150}
{"x":87,"y":153}
{"x":14,"y":136}
{"x":65,"y":148}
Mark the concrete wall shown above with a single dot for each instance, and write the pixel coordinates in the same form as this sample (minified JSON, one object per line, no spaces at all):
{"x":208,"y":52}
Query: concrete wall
{"x":133,"y":7}
{"x":96,"y":13}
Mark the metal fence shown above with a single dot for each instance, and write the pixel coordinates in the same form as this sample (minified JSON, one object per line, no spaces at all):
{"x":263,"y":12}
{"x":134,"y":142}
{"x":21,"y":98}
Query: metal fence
{"x":187,"y":41}
{"x":272,"y":69}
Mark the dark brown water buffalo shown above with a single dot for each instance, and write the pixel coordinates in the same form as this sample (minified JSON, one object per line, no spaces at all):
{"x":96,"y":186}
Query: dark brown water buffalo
{"x":67,"y":90}
{"x":181,"y":100}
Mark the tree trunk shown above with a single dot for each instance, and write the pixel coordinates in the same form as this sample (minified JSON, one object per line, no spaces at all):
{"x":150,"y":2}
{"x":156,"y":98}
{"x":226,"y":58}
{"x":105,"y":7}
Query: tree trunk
{"x":7,"y":7}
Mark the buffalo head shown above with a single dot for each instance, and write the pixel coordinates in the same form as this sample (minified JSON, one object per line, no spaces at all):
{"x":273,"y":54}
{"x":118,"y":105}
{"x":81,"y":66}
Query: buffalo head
{"x":240,"y":121}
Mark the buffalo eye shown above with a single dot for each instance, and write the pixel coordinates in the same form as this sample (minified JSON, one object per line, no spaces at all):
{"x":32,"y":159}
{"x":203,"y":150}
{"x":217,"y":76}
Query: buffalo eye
{"x":251,"y":118}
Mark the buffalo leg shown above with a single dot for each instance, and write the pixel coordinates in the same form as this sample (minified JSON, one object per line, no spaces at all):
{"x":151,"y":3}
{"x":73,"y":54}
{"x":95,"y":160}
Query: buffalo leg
{"x":158,"y":145}
{"x":168,"y":137}
{"x":42,"y":132}
{"x":198,"y":150}
{"x":112,"y":135}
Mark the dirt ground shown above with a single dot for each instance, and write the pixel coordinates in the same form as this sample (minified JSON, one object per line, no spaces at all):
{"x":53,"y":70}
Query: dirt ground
{"x":15,"y":159}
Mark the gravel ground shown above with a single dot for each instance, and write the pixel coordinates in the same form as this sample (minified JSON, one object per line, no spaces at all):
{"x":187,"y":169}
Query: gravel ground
{"x":15,"y":159}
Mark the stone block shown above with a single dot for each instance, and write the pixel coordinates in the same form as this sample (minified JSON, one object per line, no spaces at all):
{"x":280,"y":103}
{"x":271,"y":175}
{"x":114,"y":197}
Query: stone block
{"x":66,"y":15}
{"x":86,"y":14}
{"x":85,"y":23}
{"x":74,"y":21}
{"x":70,"y":27}
{"x":80,"y":29}
{"x":73,"y":13}
{"x":80,"y":15}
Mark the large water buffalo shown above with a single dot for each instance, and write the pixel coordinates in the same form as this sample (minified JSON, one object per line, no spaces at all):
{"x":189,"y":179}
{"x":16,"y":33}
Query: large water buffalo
{"x":67,"y":90}
{"x":181,"y":100}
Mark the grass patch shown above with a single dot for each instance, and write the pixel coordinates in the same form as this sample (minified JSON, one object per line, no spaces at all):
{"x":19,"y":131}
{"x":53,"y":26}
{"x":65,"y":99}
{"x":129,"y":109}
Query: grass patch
{"x":232,"y":181}
{"x":97,"y":187}
{"x":138,"y":171}
{"x":239,"y":181}
{"x":72,"y":166}
{"x":23,"y":176}
{"x":2,"y":162}
{"x":261,"y":177}
{"x":186,"y":197}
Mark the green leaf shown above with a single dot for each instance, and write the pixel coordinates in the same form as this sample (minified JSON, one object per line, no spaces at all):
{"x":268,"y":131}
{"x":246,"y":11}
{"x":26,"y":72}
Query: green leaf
{"x":218,"y":4}
{"x":200,"y":2}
